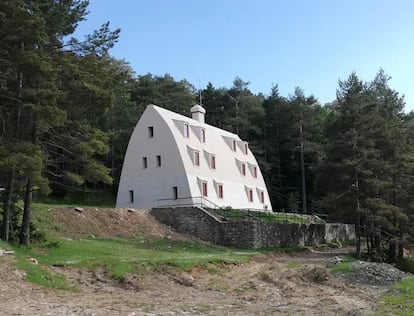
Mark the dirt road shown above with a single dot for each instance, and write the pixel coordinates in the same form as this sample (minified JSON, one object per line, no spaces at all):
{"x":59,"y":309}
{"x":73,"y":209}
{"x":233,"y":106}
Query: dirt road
{"x":275,"y":284}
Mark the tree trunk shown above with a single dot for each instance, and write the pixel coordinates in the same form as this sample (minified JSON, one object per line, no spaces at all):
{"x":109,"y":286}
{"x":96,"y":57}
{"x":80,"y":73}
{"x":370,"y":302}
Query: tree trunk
{"x":400,"y":250}
{"x":367,"y":240}
{"x":12,"y":176}
{"x":358,"y":218}
{"x":7,"y":206}
{"x":358,"y":238}
{"x":25,"y":229}
{"x":302,"y":167}
{"x":391,"y":251}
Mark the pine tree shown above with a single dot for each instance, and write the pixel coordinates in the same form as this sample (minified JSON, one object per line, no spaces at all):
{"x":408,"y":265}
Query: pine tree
{"x":33,"y":56}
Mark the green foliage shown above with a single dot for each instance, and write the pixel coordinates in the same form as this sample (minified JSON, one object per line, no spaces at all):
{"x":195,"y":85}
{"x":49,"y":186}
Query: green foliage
{"x":68,"y":109}
{"x":406,"y":264}
{"x":88,"y":198}
{"x":361,"y":179}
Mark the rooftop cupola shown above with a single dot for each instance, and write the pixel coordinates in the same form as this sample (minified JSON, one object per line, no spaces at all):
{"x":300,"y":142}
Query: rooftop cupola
{"x":198,"y":112}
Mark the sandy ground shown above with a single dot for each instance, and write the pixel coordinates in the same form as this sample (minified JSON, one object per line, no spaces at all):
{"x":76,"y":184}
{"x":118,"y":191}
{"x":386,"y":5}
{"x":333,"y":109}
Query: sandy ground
{"x":271,"y":284}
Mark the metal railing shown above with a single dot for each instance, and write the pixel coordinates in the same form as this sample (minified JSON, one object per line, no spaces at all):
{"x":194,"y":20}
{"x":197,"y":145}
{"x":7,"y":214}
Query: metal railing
{"x":200,"y":201}
{"x":229,"y":214}
{"x":266,"y":216}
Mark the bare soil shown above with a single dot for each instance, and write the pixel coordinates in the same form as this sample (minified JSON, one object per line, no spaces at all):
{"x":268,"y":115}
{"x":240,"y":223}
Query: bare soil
{"x":270,"y":284}
{"x":100,"y":222}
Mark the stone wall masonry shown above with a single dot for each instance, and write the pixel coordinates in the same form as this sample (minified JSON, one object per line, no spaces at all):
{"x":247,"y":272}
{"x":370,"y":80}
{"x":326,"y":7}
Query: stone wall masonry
{"x":250,"y":234}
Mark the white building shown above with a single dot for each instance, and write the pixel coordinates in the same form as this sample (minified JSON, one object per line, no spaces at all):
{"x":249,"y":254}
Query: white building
{"x":176,"y":160}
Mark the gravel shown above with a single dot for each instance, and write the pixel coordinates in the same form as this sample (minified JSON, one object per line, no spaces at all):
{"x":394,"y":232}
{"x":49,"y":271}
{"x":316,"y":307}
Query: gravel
{"x":374,"y":273}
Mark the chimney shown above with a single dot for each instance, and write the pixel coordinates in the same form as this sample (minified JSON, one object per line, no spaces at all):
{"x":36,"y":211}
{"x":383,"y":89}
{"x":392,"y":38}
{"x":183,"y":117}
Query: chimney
{"x":198,"y":112}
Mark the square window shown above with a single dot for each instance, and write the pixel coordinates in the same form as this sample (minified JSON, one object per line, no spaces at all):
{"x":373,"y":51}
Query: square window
{"x":213,"y":162}
{"x":144,"y":163}
{"x":196,"y":158}
{"x":150,"y":131}
{"x":158,"y":161}
{"x":220,"y":191}
{"x":204,"y":186}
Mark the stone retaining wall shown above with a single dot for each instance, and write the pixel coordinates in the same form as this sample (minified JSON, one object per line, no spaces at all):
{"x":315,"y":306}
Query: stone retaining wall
{"x":250,"y":234}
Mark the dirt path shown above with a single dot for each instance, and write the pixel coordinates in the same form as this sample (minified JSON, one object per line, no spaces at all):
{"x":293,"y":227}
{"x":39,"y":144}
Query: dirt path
{"x":271,"y":284}
{"x":268,"y":285}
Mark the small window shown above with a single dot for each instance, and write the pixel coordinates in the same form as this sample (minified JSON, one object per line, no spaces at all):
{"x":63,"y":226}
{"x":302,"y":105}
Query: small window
{"x":131,"y":196}
{"x":243,"y":169}
{"x":234,"y":145}
{"x":246,"y":149}
{"x":175,"y":192}
{"x":186,"y":130}
{"x":261,"y":197}
{"x":213,"y":162}
{"x":203,"y":135}
{"x":204,"y":186}
{"x":144,"y":163}
{"x":158,"y":161}
{"x":220,"y":191}
{"x":150,"y":131}
{"x":250,"y":195}
{"x":196,"y":158}
{"x":255,"y":171}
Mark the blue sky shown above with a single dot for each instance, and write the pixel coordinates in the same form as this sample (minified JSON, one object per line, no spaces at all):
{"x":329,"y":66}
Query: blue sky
{"x":306,"y":43}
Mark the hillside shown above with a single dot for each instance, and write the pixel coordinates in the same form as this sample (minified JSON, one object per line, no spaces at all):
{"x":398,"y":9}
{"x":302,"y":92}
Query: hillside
{"x":79,"y":222}
{"x":129,"y":264}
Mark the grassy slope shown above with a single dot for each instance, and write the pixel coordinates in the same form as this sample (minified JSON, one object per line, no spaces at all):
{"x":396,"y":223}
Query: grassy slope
{"x":119,"y":256}
{"x":116,"y":255}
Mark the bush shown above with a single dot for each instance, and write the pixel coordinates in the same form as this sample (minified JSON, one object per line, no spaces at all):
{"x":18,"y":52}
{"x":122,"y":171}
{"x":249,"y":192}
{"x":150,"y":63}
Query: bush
{"x":406,"y":265}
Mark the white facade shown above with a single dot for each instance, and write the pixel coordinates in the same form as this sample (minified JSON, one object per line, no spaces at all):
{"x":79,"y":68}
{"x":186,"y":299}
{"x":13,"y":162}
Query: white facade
{"x":176,"y":160}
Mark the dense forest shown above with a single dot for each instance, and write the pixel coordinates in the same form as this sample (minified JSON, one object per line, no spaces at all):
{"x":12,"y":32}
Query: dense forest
{"x":67,"y":109}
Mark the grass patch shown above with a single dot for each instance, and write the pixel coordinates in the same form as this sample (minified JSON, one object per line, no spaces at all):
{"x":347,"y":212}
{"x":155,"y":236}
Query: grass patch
{"x":39,"y":275}
{"x":36,"y":273}
{"x":293,"y":265}
{"x":399,"y":301}
{"x":345,"y":266}
{"x":120,"y":256}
